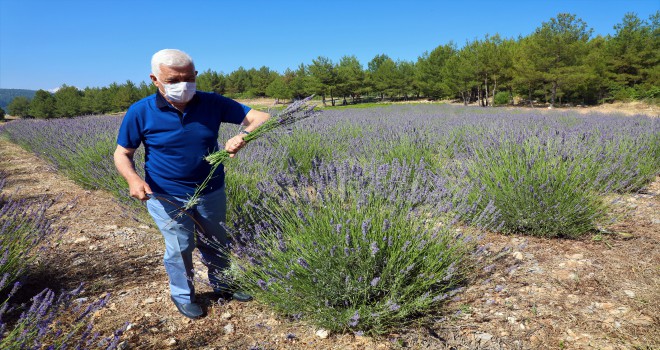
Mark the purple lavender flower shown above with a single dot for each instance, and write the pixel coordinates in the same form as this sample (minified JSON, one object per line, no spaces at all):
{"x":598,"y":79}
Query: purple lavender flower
{"x":410,"y":267}
{"x":392,"y":306}
{"x":355,"y":319}
{"x":375,"y":281}
{"x":449,"y":273}
{"x":332,"y":250}
{"x":386,"y":225}
{"x":303,"y":263}
{"x":374,"y":249}
{"x":407,"y":183}
{"x":262,"y":284}
{"x":365,"y":228}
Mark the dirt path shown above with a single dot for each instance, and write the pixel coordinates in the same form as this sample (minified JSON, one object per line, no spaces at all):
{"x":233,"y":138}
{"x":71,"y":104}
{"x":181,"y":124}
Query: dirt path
{"x":574,"y":294}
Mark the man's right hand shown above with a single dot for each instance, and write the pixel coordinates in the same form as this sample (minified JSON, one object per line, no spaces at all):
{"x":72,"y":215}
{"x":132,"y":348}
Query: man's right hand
{"x":139,"y":189}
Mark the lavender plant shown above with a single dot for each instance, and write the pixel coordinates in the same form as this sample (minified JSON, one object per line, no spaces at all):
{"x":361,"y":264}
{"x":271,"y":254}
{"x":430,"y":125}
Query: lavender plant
{"x":49,"y":322}
{"x":547,"y":177}
{"x":81,"y":148}
{"x":535,"y":190}
{"x":23,"y":226}
{"x":622,"y":163}
{"x":352,"y":248}
{"x":303,"y":148}
{"x":54,"y":322}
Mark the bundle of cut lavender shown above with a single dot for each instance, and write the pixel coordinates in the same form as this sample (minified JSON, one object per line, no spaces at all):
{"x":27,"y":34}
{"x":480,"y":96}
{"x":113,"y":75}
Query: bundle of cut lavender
{"x":293,"y":113}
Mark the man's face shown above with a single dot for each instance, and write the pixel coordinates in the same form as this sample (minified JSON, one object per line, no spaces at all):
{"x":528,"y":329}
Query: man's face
{"x":173,"y":75}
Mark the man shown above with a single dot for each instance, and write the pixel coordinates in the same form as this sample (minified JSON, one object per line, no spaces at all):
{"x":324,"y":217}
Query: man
{"x":178,"y":126}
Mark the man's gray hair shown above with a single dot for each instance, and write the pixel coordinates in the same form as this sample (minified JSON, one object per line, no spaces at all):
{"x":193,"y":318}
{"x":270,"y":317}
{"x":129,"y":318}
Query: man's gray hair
{"x":170,"y":58}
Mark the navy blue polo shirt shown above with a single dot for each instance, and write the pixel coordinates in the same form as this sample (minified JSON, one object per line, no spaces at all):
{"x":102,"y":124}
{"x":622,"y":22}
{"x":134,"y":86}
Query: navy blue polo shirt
{"x":176,"y":143}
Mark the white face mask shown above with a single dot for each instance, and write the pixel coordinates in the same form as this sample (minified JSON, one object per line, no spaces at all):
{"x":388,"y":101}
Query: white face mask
{"x":180,"y":92}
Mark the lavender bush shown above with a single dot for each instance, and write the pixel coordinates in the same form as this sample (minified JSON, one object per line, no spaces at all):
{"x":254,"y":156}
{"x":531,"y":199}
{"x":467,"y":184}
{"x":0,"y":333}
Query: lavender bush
{"x":302,"y":149}
{"x":49,"y":322}
{"x":536,"y":191}
{"x":23,"y":226}
{"x":363,"y":249}
{"x":54,"y":322}
{"x":547,"y":179}
{"x":81,"y":148}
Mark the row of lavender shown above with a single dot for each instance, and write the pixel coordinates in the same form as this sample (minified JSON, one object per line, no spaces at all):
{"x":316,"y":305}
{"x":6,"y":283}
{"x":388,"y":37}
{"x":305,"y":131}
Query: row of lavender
{"x":50,"y":320}
{"x":350,"y":219}
{"x":545,"y":172}
{"x":481,"y":147}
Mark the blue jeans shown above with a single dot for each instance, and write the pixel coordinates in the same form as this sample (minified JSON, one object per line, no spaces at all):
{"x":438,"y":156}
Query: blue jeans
{"x":180,"y":230}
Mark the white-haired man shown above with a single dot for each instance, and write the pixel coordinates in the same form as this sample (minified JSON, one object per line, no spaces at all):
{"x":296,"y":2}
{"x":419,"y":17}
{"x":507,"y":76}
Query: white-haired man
{"x":178,"y":126}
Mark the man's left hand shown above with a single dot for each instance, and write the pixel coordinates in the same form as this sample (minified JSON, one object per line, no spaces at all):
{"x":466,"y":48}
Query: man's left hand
{"x":235,"y":144}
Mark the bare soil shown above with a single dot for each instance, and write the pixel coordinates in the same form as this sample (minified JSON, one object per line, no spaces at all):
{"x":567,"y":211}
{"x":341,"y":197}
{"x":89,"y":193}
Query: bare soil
{"x":599,"y":292}
{"x":621,"y":108}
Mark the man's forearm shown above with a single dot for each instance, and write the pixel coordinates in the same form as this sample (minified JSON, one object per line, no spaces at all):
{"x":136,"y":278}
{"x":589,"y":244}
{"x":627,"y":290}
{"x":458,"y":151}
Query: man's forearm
{"x":125,"y":166}
{"x":254,"y":118}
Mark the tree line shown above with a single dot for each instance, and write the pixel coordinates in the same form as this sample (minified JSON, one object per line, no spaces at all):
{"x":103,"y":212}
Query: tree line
{"x":560,"y":62}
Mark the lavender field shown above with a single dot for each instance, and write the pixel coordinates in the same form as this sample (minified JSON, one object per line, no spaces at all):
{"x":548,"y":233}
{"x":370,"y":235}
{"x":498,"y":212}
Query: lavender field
{"x":529,"y":162}
{"x":367,"y":220}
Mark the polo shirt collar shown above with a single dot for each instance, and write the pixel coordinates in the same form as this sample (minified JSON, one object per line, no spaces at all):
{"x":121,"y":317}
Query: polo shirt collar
{"x":161,"y":102}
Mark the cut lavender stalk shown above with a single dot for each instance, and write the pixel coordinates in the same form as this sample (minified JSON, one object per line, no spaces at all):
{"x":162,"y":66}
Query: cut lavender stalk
{"x":293,"y":113}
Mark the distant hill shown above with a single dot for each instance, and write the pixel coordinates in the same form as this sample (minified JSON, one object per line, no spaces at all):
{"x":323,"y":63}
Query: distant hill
{"x":6,"y":95}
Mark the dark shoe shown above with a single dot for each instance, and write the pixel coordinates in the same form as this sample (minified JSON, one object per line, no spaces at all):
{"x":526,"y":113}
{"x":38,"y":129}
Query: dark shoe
{"x":241,"y":296}
{"x":190,"y":310}
{"x":235,"y":295}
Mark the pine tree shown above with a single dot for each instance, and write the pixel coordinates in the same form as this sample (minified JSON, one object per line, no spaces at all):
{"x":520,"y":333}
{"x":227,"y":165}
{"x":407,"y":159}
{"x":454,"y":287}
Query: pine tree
{"x":19,"y":107}
{"x":556,"y":50}
{"x":430,"y":77}
{"x":322,"y":78}
{"x":42,"y":105}
{"x":350,"y":77}
{"x":278,"y":89}
{"x":68,"y":101}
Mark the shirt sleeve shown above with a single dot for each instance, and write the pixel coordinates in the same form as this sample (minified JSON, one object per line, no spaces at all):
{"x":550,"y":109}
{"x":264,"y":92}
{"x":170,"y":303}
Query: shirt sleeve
{"x":130,"y":132}
{"x":232,"y":111}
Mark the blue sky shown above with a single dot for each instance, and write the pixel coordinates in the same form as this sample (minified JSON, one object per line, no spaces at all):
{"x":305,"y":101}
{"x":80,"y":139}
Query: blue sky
{"x":44,"y":44}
